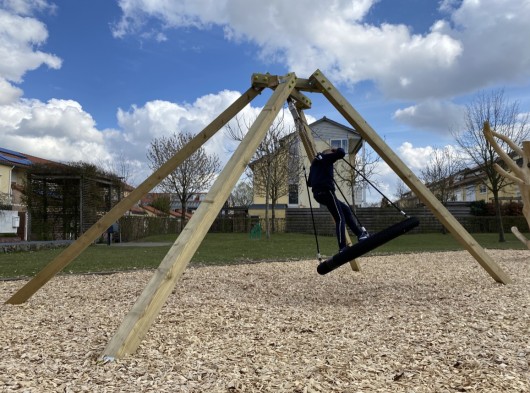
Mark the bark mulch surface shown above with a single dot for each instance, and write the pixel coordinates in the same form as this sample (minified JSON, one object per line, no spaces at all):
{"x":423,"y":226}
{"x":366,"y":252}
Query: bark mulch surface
{"x":434,"y":322}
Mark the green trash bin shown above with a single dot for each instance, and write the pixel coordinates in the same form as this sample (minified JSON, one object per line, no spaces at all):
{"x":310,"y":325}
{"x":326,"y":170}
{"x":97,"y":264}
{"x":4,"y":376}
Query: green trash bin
{"x":255,"y":232}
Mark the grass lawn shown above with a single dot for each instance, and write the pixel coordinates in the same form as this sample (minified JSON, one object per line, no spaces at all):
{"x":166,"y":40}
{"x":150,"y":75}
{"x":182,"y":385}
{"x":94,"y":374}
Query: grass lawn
{"x":224,"y":248}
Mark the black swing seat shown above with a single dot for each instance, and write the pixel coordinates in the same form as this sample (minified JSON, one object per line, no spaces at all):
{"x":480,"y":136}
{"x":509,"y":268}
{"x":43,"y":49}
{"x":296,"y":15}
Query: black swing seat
{"x":364,"y":246}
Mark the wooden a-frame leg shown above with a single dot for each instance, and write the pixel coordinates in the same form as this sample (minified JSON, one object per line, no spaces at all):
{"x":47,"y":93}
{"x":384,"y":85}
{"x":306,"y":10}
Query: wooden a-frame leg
{"x":142,"y":315}
{"x":438,"y":209}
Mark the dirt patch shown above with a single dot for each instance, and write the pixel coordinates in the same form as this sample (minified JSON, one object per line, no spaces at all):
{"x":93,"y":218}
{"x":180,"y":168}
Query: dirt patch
{"x":416,"y":322}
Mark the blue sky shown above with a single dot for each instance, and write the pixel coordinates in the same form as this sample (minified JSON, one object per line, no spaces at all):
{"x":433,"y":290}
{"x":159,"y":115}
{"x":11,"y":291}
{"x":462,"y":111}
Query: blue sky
{"x":98,"y":80}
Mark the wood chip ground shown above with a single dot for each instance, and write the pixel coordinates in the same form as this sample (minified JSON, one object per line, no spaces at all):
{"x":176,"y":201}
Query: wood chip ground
{"x":434,"y":322}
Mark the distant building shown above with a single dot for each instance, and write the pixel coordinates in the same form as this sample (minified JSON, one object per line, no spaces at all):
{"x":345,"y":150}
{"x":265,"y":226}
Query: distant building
{"x":13,"y":168}
{"x":66,"y":199}
{"x":467,"y":185}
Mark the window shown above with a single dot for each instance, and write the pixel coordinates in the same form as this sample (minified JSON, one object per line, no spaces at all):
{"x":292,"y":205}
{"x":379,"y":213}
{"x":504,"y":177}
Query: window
{"x":470,"y":193}
{"x":336,"y":143}
{"x":482,"y":188}
{"x":293,"y":194}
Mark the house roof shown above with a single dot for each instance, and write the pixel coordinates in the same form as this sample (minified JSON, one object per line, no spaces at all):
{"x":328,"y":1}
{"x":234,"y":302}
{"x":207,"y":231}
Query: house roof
{"x":137,"y":210}
{"x":15,"y":158}
{"x":178,"y":214}
{"x":159,"y":213}
{"x":316,"y":123}
{"x":153,"y":210}
{"x":335,"y":123}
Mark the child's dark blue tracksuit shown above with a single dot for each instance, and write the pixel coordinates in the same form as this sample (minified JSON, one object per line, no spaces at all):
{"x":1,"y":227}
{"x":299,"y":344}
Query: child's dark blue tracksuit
{"x":321,"y":181}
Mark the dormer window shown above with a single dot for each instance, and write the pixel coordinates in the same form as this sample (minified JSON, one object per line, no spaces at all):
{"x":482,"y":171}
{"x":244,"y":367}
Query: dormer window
{"x":336,"y":143}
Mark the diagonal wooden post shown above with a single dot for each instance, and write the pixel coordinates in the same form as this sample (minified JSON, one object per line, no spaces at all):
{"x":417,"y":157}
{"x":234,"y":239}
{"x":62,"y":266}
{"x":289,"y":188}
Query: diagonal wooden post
{"x":77,"y":247}
{"x":135,"y":325}
{"x":437,"y":208}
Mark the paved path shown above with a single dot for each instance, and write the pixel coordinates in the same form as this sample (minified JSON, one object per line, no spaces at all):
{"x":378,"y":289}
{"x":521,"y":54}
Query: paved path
{"x":40,"y":245}
{"x":136,"y":244}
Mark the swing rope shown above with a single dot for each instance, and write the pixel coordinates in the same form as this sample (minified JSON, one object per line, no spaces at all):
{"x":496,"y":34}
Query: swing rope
{"x":312,"y":216}
{"x":375,"y":188}
{"x":364,"y":178}
{"x":371,"y":242}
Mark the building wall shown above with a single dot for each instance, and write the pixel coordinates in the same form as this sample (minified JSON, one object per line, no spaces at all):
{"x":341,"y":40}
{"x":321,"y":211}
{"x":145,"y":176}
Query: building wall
{"x":260,"y":200}
{"x":5,"y":179}
{"x":509,"y":193}
{"x":259,"y":211}
{"x":18,"y":176}
{"x":472,"y":192}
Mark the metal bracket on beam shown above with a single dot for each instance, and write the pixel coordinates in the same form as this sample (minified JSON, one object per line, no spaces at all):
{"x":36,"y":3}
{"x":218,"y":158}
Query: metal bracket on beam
{"x":265,"y":80}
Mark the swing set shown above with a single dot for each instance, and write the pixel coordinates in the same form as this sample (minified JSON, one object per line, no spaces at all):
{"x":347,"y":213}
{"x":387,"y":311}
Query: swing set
{"x":288,"y":87}
{"x":373,"y":241}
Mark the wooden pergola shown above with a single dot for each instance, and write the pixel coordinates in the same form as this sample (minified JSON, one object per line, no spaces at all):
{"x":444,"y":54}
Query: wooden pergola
{"x":284,"y":88}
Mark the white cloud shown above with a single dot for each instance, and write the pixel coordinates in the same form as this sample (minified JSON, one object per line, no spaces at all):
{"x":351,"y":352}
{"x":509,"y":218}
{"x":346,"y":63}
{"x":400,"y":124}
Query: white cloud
{"x":8,"y":92}
{"x":451,"y":58}
{"x":478,"y":44}
{"x":161,"y":118}
{"x":26,"y":7}
{"x":19,"y":38}
{"x":414,"y":157}
{"x":57,"y":130}
{"x":61,"y":130}
{"x":432,"y":115}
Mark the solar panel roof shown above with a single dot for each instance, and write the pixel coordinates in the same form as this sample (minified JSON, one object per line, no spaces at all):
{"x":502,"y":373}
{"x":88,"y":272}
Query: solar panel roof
{"x":20,"y":159}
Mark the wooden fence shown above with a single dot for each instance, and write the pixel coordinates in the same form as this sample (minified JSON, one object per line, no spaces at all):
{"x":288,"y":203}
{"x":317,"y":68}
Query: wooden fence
{"x":376,"y":219}
{"x":299,"y":221}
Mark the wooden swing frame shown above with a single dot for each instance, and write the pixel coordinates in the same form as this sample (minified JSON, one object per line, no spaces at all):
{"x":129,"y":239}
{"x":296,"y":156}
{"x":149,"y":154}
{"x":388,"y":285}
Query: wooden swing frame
{"x":143,"y":313}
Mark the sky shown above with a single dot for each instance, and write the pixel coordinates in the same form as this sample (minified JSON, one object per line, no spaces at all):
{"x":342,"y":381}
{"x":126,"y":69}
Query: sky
{"x":97,"y":80}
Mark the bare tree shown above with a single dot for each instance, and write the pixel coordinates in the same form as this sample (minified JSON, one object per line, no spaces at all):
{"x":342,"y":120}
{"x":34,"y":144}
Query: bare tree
{"x":440,"y":171}
{"x":273,"y":163}
{"x":194,"y":175}
{"x":358,"y":174}
{"x":120,"y":167}
{"x":504,"y":118}
{"x":241,"y":195}
{"x":401,"y":191}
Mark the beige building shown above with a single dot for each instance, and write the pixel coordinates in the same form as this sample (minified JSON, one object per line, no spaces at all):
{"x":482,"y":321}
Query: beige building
{"x":68,"y":199}
{"x":326,"y":133}
{"x":13,"y":167}
{"x":468,"y":186}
